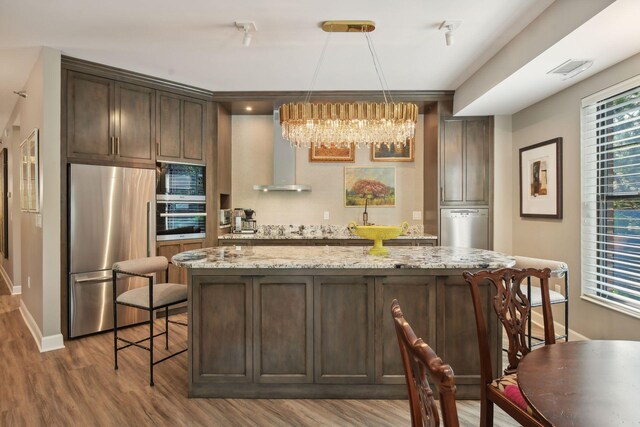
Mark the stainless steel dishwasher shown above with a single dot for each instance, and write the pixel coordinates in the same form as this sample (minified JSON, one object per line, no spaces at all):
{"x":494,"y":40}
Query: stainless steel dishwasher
{"x":467,"y":228}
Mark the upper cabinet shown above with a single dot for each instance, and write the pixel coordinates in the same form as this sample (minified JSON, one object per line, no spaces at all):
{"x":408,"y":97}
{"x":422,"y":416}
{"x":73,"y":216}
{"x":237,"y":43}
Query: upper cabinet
{"x":109,"y":121}
{"x":181,"y":128}
{"x":465,"y":154}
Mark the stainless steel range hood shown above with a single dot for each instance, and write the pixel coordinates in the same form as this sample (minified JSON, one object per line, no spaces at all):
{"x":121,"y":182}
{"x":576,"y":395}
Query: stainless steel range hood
{"x":284,"y":163}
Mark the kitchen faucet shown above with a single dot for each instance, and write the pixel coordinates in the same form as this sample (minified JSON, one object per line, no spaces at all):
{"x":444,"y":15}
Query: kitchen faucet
{"x":365,"y":215}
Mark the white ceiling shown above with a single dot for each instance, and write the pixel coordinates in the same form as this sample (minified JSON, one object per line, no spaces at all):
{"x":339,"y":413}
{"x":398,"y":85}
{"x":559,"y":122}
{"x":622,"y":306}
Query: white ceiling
{"x":196,"y":42}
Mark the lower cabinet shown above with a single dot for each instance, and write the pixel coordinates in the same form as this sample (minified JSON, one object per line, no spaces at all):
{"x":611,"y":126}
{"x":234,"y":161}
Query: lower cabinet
{"x":326,"y":335}
{"x":173,"y":247}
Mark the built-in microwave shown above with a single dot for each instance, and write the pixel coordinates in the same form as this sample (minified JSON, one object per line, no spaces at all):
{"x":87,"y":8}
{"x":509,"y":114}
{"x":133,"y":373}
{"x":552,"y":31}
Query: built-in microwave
{"x":180,"y":219}
{"x":180,"y":181}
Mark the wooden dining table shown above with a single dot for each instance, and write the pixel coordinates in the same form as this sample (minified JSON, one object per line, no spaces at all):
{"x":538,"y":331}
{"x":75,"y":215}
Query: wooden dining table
{"x":584,"y":383}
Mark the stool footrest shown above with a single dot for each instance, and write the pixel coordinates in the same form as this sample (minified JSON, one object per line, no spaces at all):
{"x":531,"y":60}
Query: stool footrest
{"x":170,"y":356}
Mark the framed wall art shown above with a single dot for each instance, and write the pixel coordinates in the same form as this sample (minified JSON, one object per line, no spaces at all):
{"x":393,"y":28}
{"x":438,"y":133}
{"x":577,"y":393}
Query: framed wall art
{"x":541,"y":180}
{"x":393,"y":152}
{"x":331,"y":153}
{"x":29,"y":174}
{"x":377,"y":186}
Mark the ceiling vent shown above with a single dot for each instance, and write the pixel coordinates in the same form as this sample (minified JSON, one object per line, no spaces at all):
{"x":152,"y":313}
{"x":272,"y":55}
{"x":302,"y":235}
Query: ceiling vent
{"x":571,"y":68}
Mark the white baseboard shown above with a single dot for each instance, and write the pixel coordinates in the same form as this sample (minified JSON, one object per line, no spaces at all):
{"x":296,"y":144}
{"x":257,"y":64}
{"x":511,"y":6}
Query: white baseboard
{"x":536,"y":319}
{"x":14,"y":290}
{"x":48,"y":343}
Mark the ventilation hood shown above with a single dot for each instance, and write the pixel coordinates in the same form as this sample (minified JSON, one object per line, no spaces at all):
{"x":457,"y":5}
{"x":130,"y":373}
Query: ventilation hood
{"x":284,"y":163}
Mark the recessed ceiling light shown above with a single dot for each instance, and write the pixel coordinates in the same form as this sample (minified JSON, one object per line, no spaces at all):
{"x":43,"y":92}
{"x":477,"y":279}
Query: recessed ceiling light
{"x":249,"y":108}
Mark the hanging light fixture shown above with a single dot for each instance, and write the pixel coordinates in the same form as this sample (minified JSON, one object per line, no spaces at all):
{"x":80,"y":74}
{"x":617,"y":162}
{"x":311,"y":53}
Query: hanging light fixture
{"x":362,"y":123}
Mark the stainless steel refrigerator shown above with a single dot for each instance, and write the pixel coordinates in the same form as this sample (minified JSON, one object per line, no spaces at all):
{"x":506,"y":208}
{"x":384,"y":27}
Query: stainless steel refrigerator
{"x":111,"y":218}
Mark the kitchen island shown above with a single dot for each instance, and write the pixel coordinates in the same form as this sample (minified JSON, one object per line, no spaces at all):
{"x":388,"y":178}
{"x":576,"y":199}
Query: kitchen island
{"x":314,"y":322}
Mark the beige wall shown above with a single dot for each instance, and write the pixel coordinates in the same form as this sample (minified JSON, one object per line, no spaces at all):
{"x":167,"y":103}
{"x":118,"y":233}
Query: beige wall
{"x":252,"y":164}
{"x":36,"y":236}
{"x":559,"y":116}
{"x":502,"y":185}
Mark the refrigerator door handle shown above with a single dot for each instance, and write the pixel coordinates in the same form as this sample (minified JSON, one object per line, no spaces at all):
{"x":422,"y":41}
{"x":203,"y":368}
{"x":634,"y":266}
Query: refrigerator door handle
{"x":148,"y":229}
{"x":94,"y":280}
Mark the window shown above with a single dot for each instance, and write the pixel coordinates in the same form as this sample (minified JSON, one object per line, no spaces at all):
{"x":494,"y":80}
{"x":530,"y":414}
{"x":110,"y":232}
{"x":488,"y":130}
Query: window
{"x":611,"y":197}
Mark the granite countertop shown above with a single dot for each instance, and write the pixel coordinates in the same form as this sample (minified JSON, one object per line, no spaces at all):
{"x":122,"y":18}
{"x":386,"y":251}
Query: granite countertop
{"x":300,"y":232}
{"x":277,"y":257}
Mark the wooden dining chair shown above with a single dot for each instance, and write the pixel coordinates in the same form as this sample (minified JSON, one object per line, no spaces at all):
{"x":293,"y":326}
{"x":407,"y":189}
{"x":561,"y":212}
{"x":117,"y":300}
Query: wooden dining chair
{"x":420,"y":362}
{"x":514,"y":311}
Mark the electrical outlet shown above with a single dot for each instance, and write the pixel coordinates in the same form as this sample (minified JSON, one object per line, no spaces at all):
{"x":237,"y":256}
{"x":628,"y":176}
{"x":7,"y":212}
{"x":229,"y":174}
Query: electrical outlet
{"x":29,"y":282}
{"x":417,"y":214}
{"x":326,"y":214}
{"x":558,"y":290}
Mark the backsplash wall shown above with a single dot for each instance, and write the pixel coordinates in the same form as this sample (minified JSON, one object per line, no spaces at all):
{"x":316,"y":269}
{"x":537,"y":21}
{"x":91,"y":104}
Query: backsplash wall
{"x":252,"y":163}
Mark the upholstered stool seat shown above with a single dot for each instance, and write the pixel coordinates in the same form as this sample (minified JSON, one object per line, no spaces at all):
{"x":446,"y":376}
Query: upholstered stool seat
{"x":536,"y":296}
{"x":163,"y":294}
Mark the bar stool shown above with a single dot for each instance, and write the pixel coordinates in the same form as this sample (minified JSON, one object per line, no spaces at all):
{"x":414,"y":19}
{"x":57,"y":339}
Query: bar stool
{"x":559,"y":270}
{"x":152,"y":297}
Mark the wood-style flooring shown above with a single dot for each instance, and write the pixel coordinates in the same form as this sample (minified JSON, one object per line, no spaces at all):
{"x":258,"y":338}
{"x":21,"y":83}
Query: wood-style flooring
{"x":77,"y":386}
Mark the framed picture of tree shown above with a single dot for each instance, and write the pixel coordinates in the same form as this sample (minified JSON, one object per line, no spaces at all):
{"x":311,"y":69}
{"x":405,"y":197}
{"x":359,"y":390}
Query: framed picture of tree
{"x":375,"y":186}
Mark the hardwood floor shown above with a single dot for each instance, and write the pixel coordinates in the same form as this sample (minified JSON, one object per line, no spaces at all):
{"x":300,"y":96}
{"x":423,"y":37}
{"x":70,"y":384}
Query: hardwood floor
{"x":77,"y":386}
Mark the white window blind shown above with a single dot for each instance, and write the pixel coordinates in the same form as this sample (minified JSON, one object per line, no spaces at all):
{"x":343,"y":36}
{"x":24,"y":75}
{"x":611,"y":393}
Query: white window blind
{"x":611,"y":197}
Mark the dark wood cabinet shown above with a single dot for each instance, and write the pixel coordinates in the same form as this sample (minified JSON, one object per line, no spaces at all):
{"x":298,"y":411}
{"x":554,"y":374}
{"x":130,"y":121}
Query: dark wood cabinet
{"x":108,"y":121}
{"x":283,"y":329}
{"x":172,"y":247}
{"x":224,"y":151}
{"x":417,"y":296}
{"x":181,"y":128}
{"x":343,"y":322}
{"x":465,"y":161}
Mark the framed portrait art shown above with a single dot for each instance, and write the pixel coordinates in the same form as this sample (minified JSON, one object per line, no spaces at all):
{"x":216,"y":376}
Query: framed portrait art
{"x":331,"y":153}
{"x":541,"y":180}
{"x":393,"y":152}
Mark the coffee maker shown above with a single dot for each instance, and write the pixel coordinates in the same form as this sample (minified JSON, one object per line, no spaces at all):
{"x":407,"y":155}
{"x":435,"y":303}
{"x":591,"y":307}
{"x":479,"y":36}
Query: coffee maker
{"x":249,"y":224}
{"x":244,"y":221}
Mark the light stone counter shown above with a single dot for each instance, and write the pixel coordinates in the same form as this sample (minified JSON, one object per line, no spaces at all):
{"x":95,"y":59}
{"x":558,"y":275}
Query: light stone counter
{"x":304,"y":232}
{"x":339,"y":257}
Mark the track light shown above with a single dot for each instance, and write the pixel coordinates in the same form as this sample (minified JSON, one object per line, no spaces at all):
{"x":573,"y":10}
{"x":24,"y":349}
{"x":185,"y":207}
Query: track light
{"x":449,"y":26}
{"x":248,"y":28}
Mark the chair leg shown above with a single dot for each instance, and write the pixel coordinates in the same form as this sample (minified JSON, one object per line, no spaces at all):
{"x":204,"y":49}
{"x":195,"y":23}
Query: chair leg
{"x":151,"y":348}
{"x":486,"y":413}
{"x":166,"y":328}
{"x":115,"y":335}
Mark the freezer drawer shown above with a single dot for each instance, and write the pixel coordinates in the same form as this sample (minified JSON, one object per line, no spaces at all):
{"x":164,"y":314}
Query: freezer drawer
{"x":91,"y":303}
{"x":465,"y":228}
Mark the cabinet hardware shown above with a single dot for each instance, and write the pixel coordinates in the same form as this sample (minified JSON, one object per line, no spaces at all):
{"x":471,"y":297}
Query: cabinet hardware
{"x":441,"y":193}
{"x":118,"y":145}
{"x":111,"y":146}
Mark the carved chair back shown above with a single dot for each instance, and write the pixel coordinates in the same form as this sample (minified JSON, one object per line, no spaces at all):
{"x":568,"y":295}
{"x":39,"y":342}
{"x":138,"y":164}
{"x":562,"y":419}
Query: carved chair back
{"x":421,"y":362}
{"x":513,"y":310}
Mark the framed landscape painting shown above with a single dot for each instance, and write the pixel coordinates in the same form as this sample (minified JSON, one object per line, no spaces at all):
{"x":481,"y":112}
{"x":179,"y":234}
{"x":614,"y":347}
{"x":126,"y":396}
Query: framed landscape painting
{"x":375,"y":185}
{"x":541,"y":180}
{"x":393,"y":152}
{"x":331,"y":153}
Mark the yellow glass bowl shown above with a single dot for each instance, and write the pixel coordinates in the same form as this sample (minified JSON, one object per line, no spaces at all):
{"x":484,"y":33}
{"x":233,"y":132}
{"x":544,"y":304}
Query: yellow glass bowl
{"x":378,"y":233}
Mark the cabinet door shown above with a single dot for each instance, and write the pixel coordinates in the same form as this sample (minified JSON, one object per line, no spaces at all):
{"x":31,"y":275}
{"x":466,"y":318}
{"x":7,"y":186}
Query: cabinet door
{"x":283,"y":329}
{"x":220,"y":329}
{"x":90,"y":108}
{"x":135,"y":124}
{"x":175,"y":273}
{"x":476,"y":161}
{"x":417,"y":297}
{"x":452,"y":162}
{"x":224,"y":150}
{"x":193,"y":130}
{"x":457,"y":342}
{"x":343,"y":324}
{"x":168,"y":128}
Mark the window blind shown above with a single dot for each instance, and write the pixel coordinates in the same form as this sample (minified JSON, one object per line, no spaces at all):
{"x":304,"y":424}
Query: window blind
{"x":610,"y":144}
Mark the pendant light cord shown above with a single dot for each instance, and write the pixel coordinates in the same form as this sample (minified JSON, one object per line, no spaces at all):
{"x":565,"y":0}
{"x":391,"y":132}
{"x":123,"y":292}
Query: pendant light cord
{"x":318,"y":66}
{"x":378,"y":67}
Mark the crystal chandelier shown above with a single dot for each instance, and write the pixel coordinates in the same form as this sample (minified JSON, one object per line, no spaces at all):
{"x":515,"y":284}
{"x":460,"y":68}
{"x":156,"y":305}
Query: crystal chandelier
{"x":342,"y":124}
